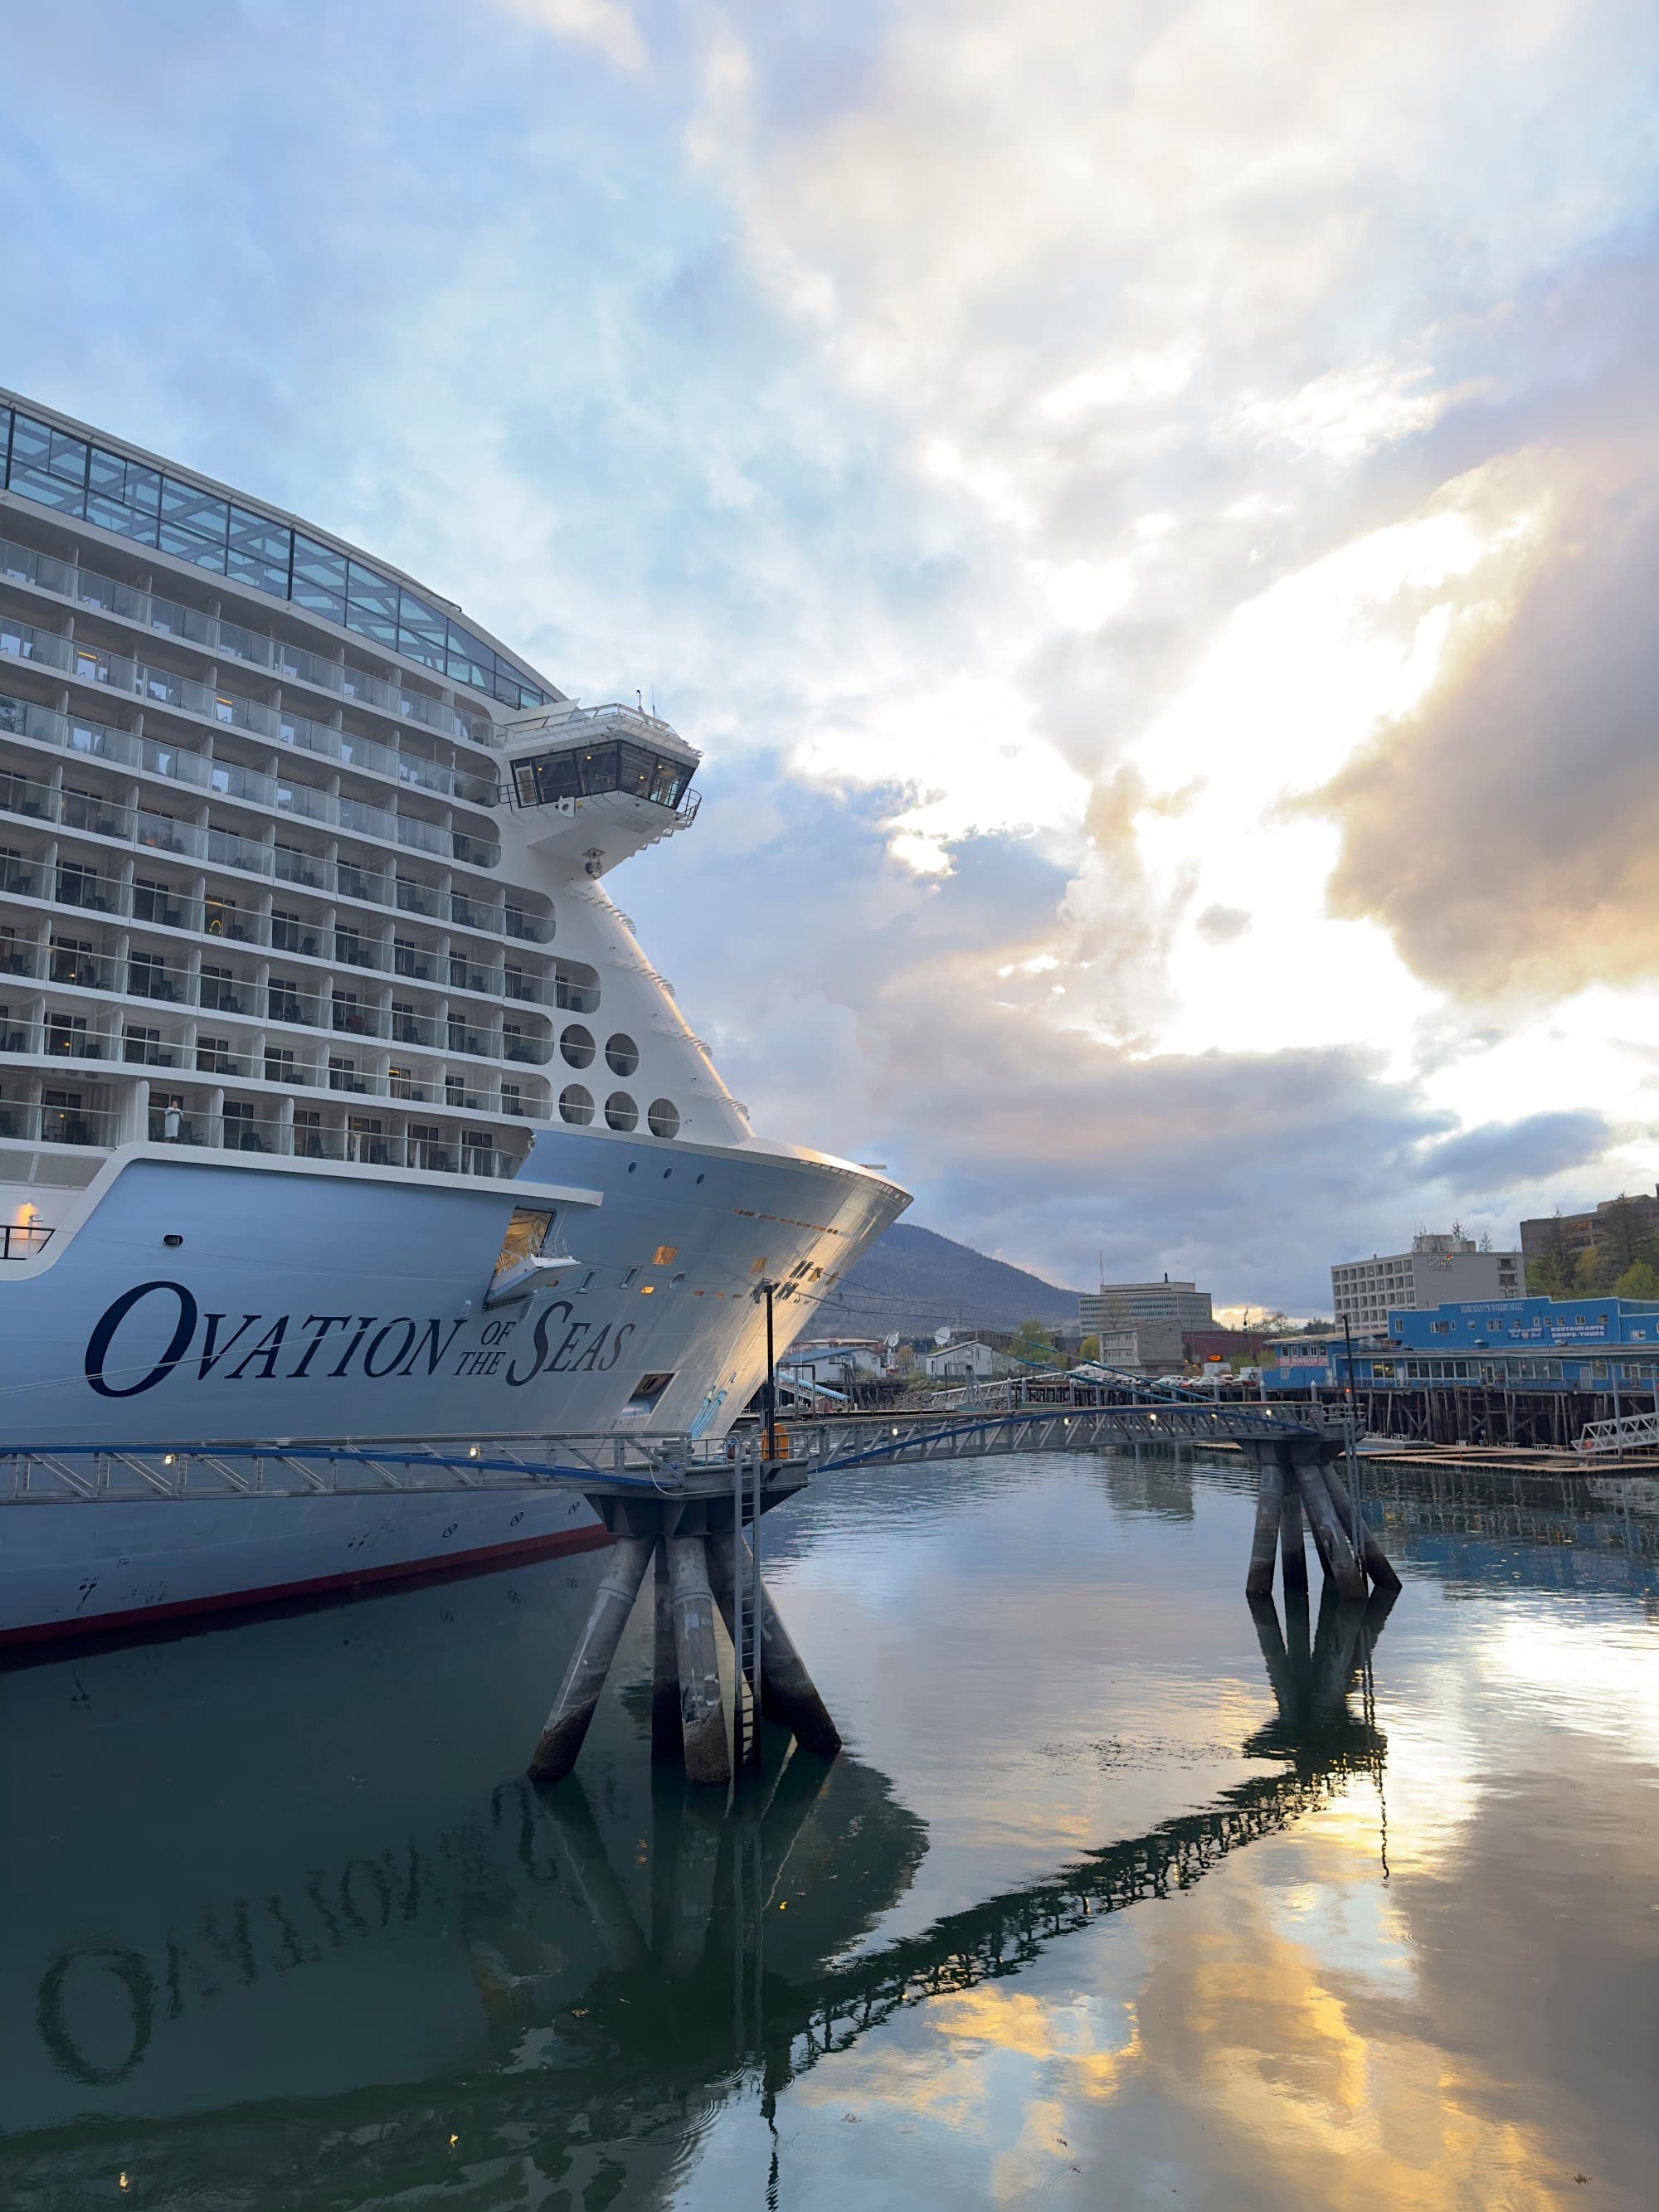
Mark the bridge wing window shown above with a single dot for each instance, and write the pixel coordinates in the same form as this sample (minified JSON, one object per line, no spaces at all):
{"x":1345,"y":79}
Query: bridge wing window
{"x":619,"y":766}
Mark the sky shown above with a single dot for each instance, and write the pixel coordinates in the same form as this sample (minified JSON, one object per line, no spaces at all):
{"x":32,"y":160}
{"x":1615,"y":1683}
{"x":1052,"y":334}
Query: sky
{"x":1150,"y":512}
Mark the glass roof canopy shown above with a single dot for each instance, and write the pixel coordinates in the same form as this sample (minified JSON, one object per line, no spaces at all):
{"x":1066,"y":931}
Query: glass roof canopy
{"x":163,"y":508}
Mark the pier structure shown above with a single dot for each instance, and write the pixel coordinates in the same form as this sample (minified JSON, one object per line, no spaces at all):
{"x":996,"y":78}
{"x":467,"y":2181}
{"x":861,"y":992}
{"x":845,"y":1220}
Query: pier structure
{"x":699,"y":1535}
{"x":688,"y":1514}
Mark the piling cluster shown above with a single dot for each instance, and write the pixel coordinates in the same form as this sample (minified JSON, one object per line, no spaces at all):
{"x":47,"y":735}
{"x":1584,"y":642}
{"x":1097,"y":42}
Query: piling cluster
{"x":1298,"y":1479}
{"x":701,"y":1571}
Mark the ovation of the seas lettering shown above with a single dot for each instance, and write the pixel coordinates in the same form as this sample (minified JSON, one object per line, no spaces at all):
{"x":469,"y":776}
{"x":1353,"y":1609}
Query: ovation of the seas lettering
{"x":289,"y":1348}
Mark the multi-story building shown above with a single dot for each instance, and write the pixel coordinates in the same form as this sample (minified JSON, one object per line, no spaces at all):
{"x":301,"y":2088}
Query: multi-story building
{"x":1566,"y":1234}
{"x":1441,"y":1265}
{"x":1148,"y":1347}
{"x":1118,"y":1306}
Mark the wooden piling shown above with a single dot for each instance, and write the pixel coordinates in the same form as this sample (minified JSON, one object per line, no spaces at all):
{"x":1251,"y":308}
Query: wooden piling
{"x":665,"y":1668}
{"x":566,"y":1725}
{"x":1337,"y":1552}
{"x":788,"y":1694}
{"x":703,"y":1718}
{"x":1292,"y":1546}
{"x":1377,"y":1565}
{"x":1269,"y":1502}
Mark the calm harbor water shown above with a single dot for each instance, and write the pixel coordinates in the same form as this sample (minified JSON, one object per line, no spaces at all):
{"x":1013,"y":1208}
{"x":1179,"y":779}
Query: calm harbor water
{"x":1114,"y":1898}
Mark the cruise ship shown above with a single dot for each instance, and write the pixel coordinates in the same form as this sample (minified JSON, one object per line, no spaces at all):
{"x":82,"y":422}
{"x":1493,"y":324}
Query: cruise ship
{"x":337,"y":1098}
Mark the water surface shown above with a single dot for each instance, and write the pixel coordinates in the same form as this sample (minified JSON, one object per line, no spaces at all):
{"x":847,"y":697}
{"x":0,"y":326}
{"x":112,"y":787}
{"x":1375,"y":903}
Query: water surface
{"x":1121,"y":1894}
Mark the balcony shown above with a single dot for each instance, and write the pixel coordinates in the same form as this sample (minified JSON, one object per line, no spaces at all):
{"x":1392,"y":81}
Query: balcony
{"x":255,"y":787}
{"x":58,"y":1125}
{"x":223,"y":638}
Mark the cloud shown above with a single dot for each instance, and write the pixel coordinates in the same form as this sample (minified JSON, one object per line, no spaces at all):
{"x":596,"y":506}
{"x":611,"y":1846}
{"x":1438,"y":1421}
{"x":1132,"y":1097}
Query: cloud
{"x":1507,"y":832}
{"x":1082,"y":479}
{"x":604,"y":24}
{"x":1222,"y":925}
{"x":1498,"y":1155}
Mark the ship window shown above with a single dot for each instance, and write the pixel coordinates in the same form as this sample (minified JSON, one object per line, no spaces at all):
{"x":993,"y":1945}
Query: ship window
{"x":594,"y":770}
{"x":621,"y":1056}
{"x":575,"y":1105}
{"x":577,"y":1046}
{"x":646,"y":1393}
{"x":320,"y":578}
{"x":371,"y":607}
{"x":663,"y":1118}
{"x":71,"y":960}
{"x":527,"y":1233}
{"x":621,"y":1112}
{"x":66,"y":1034}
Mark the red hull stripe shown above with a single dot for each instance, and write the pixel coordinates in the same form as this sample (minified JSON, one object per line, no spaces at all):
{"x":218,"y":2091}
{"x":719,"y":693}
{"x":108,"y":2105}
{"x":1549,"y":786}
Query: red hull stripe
{"x":528,"y":1548}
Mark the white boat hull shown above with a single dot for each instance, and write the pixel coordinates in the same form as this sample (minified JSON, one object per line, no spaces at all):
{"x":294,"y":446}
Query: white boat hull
{"x":328,"y":1304}
{"x":73,"y":1569}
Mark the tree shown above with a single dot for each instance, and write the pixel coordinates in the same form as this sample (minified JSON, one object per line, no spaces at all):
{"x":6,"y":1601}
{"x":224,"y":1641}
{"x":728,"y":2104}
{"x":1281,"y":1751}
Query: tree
{"x":1556,"y":1244}
{"x":1621,"y":1235}
{"x":1033,"y":1342}
{"x":1550,"y":1277}
{"x":1589,"y":1271}
{"x":1639,"y":1281}
{"x":1089,"y":1348}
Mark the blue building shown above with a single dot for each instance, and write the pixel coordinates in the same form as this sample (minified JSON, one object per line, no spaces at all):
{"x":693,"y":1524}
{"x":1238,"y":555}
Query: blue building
{"x":1595,"y":1343}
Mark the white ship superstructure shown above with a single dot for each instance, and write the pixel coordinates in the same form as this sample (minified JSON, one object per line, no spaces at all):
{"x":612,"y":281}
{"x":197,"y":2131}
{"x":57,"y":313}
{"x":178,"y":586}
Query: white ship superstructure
{"x":336,"y":1097}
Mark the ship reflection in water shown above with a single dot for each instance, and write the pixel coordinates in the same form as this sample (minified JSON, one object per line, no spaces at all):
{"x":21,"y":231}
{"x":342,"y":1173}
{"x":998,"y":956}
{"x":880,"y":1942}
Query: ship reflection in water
{"x":1214,"y":1904}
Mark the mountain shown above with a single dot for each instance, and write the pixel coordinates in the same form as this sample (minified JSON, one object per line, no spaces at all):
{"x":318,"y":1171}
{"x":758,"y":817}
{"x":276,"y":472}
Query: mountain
{"x":914,"y":1280}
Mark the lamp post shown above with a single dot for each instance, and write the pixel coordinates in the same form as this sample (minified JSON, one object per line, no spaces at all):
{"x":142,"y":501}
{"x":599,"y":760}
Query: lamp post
{"x":1352,"y":1453}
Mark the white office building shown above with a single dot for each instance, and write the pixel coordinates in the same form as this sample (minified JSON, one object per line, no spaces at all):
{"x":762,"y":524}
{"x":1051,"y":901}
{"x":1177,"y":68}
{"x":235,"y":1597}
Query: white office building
{"x":1441,"y":1268}
{"x":1118,"y":1306}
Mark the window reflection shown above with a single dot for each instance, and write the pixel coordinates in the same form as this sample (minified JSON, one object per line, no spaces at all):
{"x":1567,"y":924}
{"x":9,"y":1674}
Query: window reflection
{"x":585,"y":774}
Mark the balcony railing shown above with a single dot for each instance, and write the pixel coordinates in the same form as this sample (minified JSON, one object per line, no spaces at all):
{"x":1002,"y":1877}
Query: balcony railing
{"x":58,"y":1125}
{"x":86,"y":587}
{"x":29,"y":798}
{"x":21,"y":1240}
{"x":162,"y":687}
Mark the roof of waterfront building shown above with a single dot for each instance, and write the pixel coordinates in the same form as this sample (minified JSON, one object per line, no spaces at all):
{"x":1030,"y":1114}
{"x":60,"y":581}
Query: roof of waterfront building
{"x":1482,"y":1324}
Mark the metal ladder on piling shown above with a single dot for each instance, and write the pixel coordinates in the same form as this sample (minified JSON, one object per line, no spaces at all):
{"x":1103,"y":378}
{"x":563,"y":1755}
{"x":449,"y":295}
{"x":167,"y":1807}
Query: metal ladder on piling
{"x":748,"y":1475}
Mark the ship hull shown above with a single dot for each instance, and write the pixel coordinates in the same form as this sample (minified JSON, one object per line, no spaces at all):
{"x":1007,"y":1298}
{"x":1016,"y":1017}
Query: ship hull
{"x":69,"y":1570}
{"x":207,"y":1300}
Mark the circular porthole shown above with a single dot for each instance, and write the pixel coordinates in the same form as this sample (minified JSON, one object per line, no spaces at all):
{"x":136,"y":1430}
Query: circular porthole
{"x":663,"y":1118}
{"x":621,"y":1112}
{"x":577,"y":1046}
{"x":576,"y":1105}
{"x":621,"y":1056}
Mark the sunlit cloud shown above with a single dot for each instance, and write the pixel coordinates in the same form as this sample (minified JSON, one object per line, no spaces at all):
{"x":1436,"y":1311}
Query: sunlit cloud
{"x":1157,"y":510}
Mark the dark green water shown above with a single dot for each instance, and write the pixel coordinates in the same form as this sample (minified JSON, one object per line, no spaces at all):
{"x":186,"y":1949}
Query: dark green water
{"x":1110,"y":1901}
